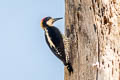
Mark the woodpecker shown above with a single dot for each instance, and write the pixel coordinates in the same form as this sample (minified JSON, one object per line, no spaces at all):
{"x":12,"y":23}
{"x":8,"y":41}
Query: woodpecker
{"x":54,"y":40}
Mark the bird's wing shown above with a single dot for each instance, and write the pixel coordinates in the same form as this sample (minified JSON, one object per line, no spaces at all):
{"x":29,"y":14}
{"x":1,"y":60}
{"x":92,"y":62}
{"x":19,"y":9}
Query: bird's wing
{"x":55,"y":42}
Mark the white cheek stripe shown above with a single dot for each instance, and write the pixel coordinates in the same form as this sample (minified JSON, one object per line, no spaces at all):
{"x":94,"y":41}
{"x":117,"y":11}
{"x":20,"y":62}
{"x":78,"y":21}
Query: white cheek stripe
{"x":50,"y":22}
{"x":49,"y":39}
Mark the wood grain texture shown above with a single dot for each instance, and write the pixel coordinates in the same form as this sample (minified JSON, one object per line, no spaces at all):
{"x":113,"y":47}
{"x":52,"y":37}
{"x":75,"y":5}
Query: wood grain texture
{"x":93,"y":27}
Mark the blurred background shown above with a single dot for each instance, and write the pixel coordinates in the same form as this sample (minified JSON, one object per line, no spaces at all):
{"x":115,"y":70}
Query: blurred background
{"x":24,"y":54}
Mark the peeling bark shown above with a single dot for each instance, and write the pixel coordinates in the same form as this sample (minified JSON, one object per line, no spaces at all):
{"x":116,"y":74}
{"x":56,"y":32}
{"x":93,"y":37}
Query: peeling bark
{"x":93,"y":27}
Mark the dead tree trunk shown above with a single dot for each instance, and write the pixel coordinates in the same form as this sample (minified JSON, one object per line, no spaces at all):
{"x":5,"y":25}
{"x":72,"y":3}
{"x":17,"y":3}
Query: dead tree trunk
{"x":94,"y":31}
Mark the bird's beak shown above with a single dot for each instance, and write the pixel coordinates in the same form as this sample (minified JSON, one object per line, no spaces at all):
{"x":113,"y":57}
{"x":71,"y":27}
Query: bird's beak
{"x":56,"y":19}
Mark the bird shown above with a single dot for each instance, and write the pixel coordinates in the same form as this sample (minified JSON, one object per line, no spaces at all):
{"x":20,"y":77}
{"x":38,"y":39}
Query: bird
{"x":55,"y":41}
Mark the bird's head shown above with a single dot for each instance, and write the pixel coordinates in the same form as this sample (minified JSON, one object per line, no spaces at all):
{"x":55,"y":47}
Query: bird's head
{"x":48,"y":22}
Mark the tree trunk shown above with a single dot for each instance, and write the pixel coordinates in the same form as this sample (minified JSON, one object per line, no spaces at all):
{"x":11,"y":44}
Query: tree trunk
{"x":93,"y":27}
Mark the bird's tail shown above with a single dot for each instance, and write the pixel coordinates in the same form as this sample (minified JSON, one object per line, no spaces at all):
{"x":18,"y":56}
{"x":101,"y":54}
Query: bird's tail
{"x":69,"y":67}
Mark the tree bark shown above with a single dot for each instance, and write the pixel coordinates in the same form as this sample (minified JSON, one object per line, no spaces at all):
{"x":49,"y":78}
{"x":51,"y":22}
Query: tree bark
{"x":93,"y":27}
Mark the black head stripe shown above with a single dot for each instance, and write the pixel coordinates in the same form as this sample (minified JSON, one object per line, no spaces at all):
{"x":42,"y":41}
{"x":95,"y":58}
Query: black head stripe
{"x":45,"y":20}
